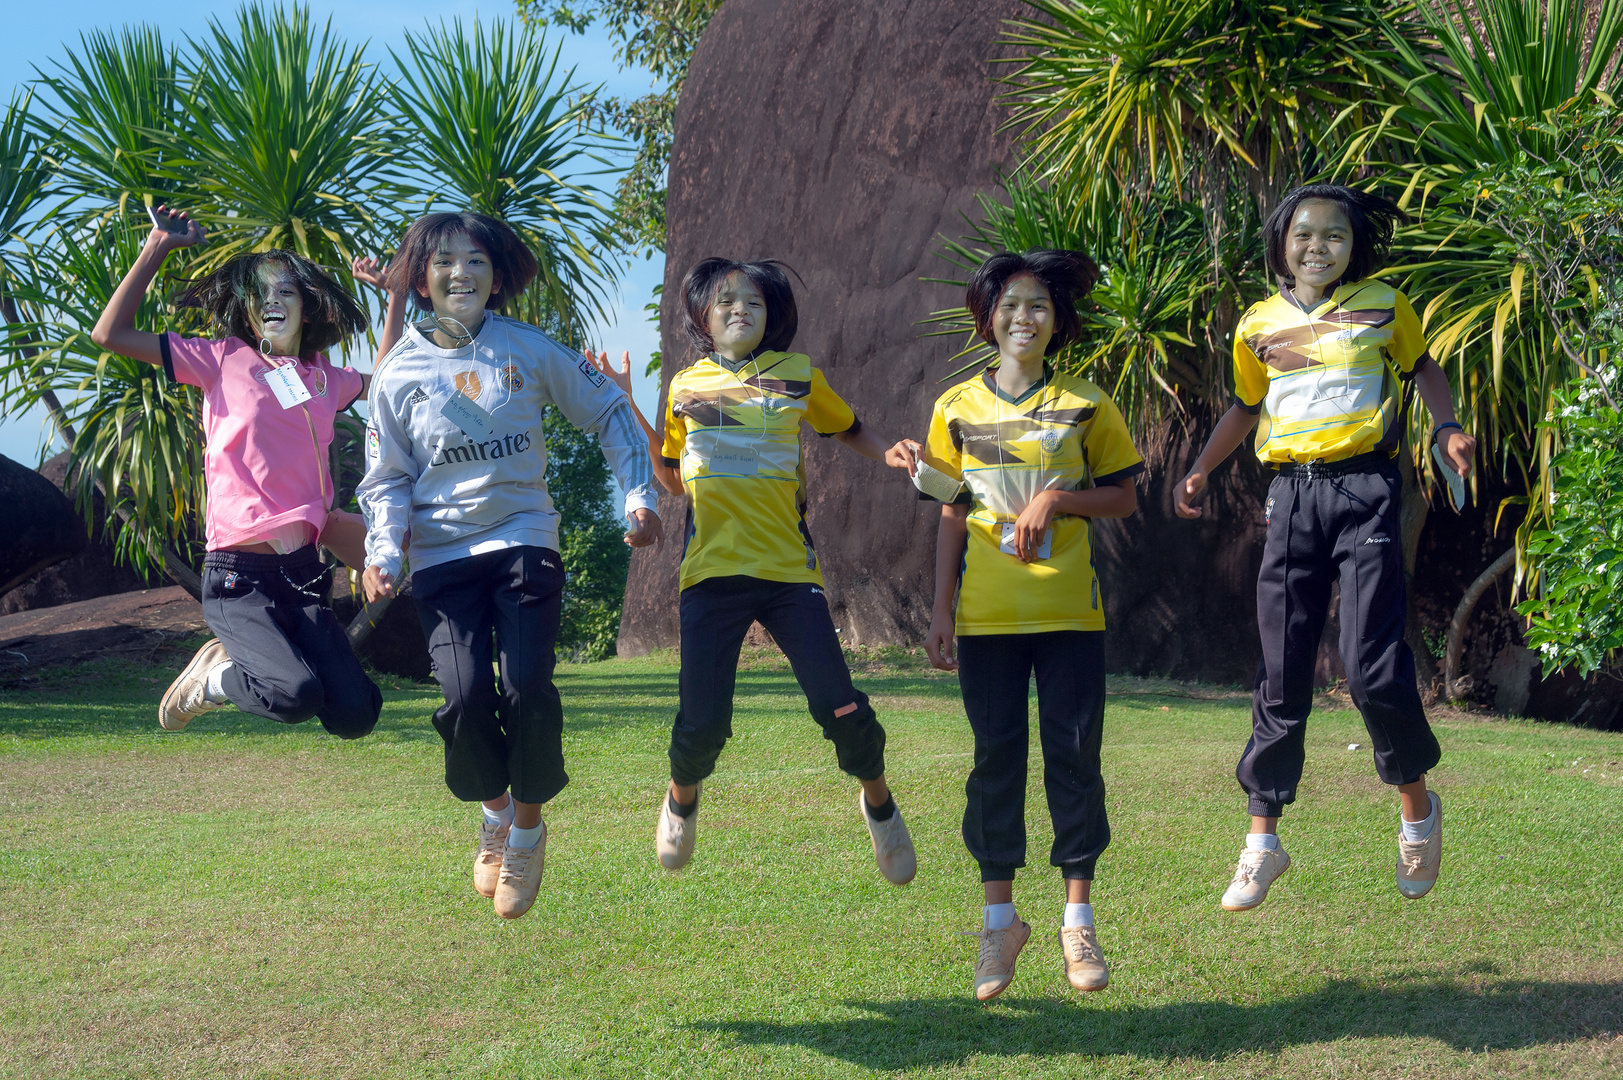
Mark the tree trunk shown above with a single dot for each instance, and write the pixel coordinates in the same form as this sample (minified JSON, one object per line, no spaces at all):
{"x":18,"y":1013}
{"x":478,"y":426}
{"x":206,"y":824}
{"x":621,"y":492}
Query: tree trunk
{"x":1453,"y":685}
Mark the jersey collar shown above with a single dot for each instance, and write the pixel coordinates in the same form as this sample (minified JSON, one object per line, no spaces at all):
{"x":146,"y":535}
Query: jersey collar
{"x":989,"y":377}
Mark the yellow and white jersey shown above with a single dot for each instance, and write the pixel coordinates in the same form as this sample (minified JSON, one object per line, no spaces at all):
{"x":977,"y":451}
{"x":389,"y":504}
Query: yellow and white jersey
{"x":1063,"y":434}
{"x":1326,"y":380}
{"x":735,"y":435}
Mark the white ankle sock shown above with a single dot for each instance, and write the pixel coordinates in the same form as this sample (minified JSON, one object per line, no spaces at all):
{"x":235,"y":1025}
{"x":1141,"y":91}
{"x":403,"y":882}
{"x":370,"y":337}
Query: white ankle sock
{"x":524,"y":838}
{"x":999,"y":916}
{"x":213,"y":690}
{"x":1262,"y":841}
{"x":498,"y":818}
{"x":1078,"y":915}
{"x":1418,"y":830}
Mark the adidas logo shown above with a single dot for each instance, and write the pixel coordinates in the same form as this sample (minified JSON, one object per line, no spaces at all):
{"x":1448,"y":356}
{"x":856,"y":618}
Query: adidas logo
{"x":417,"y":397}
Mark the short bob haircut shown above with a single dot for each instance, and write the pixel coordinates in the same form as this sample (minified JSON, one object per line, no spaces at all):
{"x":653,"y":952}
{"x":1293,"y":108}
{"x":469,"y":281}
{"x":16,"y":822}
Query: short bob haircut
{"x":232,"y":295}
{"x":1373,"y":220}
{"x":513,"y":262}
{"x":703,"y":283}
{"x":1067,"y":275}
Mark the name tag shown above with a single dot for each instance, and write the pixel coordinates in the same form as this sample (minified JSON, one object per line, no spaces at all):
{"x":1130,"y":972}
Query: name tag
{"x":285,"y":383}
{"x":1044,"y":549}
{"x":733,"y":463}
{"x":937,"y":484}
{"x":1455,"y":482}
{"x":475,"y":422}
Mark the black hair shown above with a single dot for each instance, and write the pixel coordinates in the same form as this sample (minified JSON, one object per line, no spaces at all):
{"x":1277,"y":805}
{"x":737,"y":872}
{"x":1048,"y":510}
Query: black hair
{"x":510,"y":257}
{"x":1373,"y":220}
{"x":1067,"y":275}
{"x":704,"y":281}
{"x":232,"y":295}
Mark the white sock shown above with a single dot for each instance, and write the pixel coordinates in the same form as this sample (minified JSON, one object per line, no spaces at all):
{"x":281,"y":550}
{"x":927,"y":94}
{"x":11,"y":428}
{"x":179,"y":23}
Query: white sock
{"x":999,"y":916}
{"x":498,"y":818}
{"x":213,"y":690}
{"x":1262,"y":841}
{"x":1418,"y":830}
{"x":525,"y":838}
{"x":1078,"y":915}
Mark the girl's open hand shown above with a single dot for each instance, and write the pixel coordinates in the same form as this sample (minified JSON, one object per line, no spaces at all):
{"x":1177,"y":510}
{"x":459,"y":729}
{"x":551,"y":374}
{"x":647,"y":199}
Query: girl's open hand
{"x":167,"y":240}
{"x":371,"y":271}
{"x":621,"y":378}
{"x":905,"y":455}
{"x":1187,"y":493}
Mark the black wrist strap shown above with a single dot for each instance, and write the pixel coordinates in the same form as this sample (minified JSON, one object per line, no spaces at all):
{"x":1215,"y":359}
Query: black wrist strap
{"x":1438,"y":430}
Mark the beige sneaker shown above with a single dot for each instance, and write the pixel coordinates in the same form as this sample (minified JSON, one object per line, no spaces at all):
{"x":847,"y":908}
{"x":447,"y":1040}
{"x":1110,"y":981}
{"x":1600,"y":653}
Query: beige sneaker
{"x":520,"y":879}
{"x":994,"y":969}
{"x":1420,"y":860}
{"x":892,"y":846}
{"x":1085,"y":965}
{"x":185,"y":699}
{"x":1257,"y":870}
{"x":674,"y":836}
{"x":487,"y":861}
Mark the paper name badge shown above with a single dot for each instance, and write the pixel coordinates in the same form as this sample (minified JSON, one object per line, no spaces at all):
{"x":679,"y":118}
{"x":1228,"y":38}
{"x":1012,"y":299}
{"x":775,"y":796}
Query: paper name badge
{"x":1456,"y":482}
{"x":475,"y":422}
{"x":1044,"y":549}
{"x":733,"y":463}
{"x":937,"y":484}
{"x":285,"y":383}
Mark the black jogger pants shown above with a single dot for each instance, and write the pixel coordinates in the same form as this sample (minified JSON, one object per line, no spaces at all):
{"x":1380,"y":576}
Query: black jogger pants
{"x":994,"y":672}
{"x":1321,"y":529}
{"x":716,"y":614}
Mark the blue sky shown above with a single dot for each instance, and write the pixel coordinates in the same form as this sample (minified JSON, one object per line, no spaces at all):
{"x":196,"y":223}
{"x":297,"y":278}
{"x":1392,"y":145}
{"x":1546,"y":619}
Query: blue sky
{"x":50,"y":30}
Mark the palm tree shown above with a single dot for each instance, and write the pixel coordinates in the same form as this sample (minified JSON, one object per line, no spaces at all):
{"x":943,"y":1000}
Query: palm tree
{"x":498,"y":129}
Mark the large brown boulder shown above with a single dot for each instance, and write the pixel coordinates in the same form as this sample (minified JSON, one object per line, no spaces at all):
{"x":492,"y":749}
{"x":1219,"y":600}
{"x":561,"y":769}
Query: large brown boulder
{"x":844,"y":138}
{"x":38,"y":528}
{"x":91,"y":573}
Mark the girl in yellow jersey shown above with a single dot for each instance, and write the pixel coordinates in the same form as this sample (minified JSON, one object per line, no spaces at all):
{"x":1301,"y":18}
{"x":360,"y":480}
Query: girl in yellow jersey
{"x":1317,"y":368}
{"x":1035,"y":455}
{"x":731,"y":445}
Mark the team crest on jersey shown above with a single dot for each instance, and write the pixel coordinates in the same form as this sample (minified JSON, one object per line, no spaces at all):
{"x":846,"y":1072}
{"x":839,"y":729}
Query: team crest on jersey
{"x":772,"y":406}
{"x":512,"y":381}
{"x":1050,"y":441}
{"x":589,"y":369}
{"x":371,"y":442}
{"x":468,"y":383}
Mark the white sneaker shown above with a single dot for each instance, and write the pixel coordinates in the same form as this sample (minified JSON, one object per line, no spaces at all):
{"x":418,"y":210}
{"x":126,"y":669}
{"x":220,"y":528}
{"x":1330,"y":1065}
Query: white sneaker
{"x":892,"y":846}
{"x":487,"y":861}
{"x":187,"y":697}
{"x":520,"y":879}
{"x":675,"y":835}
{"x":1420,"y":860}
{"x":1257,"y":870}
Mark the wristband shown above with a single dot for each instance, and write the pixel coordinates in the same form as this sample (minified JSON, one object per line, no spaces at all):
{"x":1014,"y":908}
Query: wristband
{"x":1438,"y":430}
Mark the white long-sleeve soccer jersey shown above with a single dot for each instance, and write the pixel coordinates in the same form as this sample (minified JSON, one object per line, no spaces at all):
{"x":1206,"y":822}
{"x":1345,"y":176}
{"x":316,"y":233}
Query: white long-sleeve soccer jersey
{"x":462,"y":492}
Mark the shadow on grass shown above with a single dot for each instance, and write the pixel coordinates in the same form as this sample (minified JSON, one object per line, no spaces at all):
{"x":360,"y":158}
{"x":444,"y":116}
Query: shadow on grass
{"x":934,"y":1032}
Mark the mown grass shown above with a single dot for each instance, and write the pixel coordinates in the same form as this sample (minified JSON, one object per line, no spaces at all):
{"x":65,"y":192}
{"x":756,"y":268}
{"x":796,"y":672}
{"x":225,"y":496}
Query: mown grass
{"x":245,"y":899}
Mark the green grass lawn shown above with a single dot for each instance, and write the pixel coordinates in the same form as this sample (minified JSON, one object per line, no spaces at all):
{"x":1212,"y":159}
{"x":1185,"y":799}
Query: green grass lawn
{"x":246,"y":899}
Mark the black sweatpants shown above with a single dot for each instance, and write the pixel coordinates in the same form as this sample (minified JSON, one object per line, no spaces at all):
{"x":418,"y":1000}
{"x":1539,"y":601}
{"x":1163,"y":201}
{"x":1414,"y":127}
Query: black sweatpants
{"x":497,"y":738}
{"x":290,"y":657}
{"x":1320,"y":529}
{"x":716,"y":614}
{"x":994,"y":672}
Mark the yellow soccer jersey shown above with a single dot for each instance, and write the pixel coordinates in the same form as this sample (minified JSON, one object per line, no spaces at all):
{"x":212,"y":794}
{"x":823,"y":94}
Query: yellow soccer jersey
{"x":736,"y":438}
{"x":1326,"y":381}
{"x":1064,"y":433}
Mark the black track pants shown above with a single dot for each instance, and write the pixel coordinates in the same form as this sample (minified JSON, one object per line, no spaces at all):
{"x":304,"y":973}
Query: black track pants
{"x":290,"y":657}
{"x":994,"y":671}
{"x":716,"y":614}
{"x":1319,"y":529}
{"x":507,"y":737}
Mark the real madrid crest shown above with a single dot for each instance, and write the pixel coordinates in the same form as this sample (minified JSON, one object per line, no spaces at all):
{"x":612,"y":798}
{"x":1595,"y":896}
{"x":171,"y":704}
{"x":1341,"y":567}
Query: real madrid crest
{"x":512,"y":381}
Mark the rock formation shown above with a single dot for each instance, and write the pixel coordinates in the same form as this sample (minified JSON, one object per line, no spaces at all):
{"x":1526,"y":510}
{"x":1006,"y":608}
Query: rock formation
{"x":39,"y":527}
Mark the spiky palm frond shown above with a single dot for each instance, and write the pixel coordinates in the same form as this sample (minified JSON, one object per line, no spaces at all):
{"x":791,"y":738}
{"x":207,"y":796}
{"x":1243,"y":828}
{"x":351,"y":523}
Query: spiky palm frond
{"x":287,"y":131}
{"x":500,"y":130}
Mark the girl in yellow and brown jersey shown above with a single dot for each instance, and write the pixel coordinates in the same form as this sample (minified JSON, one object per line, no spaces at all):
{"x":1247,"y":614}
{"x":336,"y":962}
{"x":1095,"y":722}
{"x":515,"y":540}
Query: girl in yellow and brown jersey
{"x":1023,"y":458}
{"x":731,"y":445}
{"x":1317,"y":371}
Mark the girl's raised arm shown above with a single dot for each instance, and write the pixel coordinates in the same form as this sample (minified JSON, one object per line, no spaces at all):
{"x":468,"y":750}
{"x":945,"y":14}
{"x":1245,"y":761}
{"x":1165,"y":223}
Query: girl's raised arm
{"x":375,"y":273}
{"x":115,"y":330}
{"x":668,"y":478}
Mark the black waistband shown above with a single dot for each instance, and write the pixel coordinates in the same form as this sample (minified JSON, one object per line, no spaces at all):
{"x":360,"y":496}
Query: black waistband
{"x":260,"y":560}
{"x":1374,"y":461}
